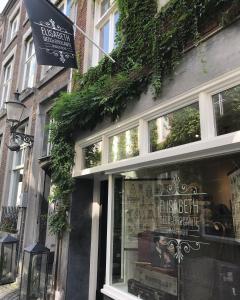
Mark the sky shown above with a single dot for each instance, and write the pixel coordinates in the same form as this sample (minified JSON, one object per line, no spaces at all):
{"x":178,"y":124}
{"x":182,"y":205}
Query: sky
{"x":2,"y":4}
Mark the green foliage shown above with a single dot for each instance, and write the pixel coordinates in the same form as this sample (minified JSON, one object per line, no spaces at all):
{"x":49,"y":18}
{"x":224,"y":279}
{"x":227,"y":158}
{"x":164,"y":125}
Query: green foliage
{"x":150,"y":46}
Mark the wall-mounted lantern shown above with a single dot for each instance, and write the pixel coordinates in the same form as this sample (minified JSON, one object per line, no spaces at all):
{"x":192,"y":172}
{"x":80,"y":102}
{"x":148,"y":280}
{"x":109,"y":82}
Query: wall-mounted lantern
{"x":34,"y":273}
{"x":8,"y":256}
{"x":15,"y":110}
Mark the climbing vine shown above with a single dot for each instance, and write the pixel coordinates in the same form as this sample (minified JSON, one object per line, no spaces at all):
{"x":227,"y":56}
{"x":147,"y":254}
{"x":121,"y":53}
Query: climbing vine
{"x":150,"y":45}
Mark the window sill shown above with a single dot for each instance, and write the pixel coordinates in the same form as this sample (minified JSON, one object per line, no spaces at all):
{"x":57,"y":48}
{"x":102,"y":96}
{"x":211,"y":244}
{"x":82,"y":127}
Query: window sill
{"x":25,"y":22}
{"x":49,"y":76}
{"x":10,"y":42}
{"x":117,"y":294}
{"x":26,"y":93}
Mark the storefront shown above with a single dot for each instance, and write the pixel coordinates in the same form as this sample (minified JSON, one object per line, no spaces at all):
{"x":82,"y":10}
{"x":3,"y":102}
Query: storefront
{"x":173,"y":210}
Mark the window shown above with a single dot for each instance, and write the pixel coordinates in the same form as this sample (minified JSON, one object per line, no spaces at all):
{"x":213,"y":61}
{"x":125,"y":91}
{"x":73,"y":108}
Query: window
{"x":124,"y":145}
{"x":17,"y":173}
{"x":106,"y":18}
{"x":29,"y":64}
{"x":227,"y":110}
{"x":13,"y":27}
{"x":176,"y":230}
{"x":174,"y":129}
{"x":7,"y":80}
{"x":47,"y":145}
{"x":92,"y":155}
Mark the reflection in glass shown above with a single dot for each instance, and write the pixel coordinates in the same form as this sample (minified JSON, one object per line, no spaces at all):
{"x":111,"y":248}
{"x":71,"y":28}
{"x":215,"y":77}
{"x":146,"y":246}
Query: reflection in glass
{"x":8,"y":266}
{"x":105,"y":5}
{"x":177,"y":231}
{"x":124,"y":145}
{"x":174,"y":129}
{"x":227,"y":110}
{"x":34,"y":273}
{"x":92,"y":155}
{"x":104,"y":39}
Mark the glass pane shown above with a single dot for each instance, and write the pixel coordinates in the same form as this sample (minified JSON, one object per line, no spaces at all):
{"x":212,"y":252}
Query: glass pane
{"x":116,"y":18}
{"x":38,"y":276}
{"x":227,"y":110}
{"x":104,"y":38}
{"x":92,"y":155}
{"x":177,"y":231}
{"x":7,"y":262}
{"x":24,"y":276}
{"x":105,"y":5}
{"x":124,"y":145}
{"x":174,"y":129}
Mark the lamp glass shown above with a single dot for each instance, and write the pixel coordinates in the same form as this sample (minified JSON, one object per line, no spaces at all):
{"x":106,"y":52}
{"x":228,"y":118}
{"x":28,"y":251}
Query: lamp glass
{"x":14,"y":111}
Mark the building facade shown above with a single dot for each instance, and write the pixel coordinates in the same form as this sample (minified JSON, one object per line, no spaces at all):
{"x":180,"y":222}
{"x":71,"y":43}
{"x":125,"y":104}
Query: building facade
{"x":25,"y":176}
{"x":154,"y":211}
{"x":155,"y":207}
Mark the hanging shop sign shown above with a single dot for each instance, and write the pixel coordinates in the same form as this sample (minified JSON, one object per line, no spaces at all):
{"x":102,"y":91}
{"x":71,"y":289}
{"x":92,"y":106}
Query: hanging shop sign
{"x":53,"y":34}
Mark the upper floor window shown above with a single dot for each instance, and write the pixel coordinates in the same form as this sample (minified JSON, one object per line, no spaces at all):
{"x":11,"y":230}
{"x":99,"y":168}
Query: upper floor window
{"x":14,"y":24}
{"x":106,"y":18}
{"x":7,"y":79}
{"x":29,"y":64}
{"x":17,"y":172}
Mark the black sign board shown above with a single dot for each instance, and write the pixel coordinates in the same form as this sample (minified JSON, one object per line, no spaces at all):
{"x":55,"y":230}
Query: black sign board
{"x":53,"y":34}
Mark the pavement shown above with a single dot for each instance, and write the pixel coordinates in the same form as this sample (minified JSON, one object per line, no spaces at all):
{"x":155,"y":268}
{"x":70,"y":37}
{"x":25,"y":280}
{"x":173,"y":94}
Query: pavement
{"x":9,"y":292}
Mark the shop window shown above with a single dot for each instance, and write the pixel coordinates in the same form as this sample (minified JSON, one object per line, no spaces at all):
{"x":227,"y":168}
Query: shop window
{"x":227,"y":110}
{"x":92,"y":155}
{"x":106,"y":18}
{"x":29,"y":64}
{"x":177,"y":231}
{"x":174,"y":129}
{"x":124,"y":145}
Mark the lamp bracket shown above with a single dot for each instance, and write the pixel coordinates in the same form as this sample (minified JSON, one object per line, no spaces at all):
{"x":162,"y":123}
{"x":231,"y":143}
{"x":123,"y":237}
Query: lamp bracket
{"x":28,"y":139}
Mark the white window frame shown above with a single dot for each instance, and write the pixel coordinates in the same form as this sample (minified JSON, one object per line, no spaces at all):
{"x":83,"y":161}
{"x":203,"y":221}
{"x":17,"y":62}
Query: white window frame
{"x":7,"y":82}
{"x":9,"y":59}
{"x":209,"y":145}
{"x":99,"y":22}
{"x":15,"y":171}
{"x":14,"y":17}
{"x":26,"y":60}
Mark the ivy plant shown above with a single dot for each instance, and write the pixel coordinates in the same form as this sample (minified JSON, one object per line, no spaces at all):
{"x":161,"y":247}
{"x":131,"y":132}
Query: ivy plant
{"x":150,"y":45}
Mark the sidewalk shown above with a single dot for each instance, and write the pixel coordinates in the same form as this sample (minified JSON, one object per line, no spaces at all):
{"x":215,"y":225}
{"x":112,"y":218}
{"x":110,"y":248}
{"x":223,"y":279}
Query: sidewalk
{"x":9,"y":292}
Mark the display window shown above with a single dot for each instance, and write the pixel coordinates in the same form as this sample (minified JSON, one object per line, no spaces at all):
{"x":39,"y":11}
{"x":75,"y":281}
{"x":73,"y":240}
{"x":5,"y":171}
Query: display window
{"x":176,"y":128}
{"x":227,"y":109}
{"x":176,"y":231}
{"x":92,"y":155}
{"x":124,"y":145}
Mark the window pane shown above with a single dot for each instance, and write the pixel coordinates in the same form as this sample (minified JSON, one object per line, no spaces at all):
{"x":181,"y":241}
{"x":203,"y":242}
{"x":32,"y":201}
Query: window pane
{"x":124,"y":145}
{"x":92,"y":155}
{"x":174,"y":129}
{"x":104,"y":38}
{"x":177,"y":230}
{"x":227,"y":110}
{"x":105,"y":5}
{"x":116,"y":18}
